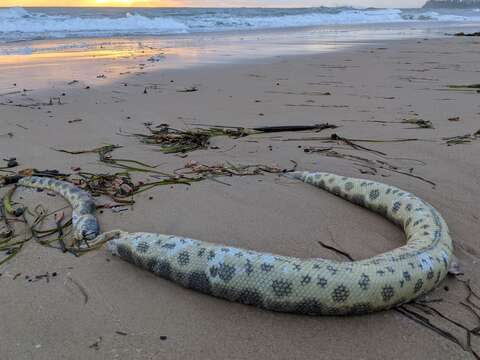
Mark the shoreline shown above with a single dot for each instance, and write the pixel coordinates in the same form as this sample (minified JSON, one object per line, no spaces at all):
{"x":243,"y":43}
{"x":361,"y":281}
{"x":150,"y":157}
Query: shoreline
{"x":149,"y":53}
{"x":372,"y":88}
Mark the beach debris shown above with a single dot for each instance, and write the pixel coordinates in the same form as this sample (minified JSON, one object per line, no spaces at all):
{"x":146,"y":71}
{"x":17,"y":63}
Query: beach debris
{"x":320,"y":106}
{"x":120,"y":187}
{"x":357,"y":140}
{"x":455,"y":118}
{"x":74,"y":121}
{"x":72,"y":82}
{"x":203,"y":171}
{"x":352,"y":144}
{"x":423,"y":313}
{"x":101,"y":150}
{"x":11,"y":163}
{"x":462,"y":139}
{"x":188,"y":90}
{"x":467,"y":34}
{"x":347,"y":141}
{"x":173,"y":141}
{"x":467,"y":88}
{"x":52,"y":99}
{"x":372,"y":166}
{"x":96,"y":344}
{"x":156,"y":58}
{"x":292,"y":128}
{"x":471,"y":86}
{"x":338,"y":251}
{"x":9,"y":134}
{"x":35,"y":278}
{"x":81,"y":288}
{"x":303,"y":93}
{"x":421,"y":124}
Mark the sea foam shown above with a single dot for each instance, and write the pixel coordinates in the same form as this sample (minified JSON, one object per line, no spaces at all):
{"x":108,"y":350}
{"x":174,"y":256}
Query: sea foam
{"x":30,"y":24}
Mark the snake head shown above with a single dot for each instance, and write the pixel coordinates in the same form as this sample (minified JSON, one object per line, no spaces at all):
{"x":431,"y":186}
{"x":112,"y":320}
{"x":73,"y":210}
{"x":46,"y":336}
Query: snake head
{"x":86,"y":228}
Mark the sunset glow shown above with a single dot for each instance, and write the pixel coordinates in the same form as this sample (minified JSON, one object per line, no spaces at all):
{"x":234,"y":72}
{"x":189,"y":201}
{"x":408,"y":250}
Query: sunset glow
{"x":92,"y":3}
{"x":115,"y":3}
{"x":209,"y":3}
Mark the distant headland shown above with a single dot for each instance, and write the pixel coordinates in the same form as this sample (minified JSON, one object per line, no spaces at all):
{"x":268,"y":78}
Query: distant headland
{"x":452,"y":4}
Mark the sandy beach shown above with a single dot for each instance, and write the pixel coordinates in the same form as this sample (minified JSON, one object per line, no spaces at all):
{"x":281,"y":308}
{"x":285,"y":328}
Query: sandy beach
{"x":100,"y":307}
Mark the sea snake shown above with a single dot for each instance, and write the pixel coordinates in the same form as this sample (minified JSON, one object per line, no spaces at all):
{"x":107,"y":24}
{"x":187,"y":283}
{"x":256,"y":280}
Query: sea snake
{"x":282,"y":283}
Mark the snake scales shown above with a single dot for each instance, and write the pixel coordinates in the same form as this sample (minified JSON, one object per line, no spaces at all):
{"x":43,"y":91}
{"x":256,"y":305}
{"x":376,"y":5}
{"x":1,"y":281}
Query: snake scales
{"x":281,"y":283}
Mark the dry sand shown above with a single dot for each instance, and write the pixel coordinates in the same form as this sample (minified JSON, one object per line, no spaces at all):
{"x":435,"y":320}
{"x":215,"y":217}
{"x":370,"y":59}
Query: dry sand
{"x":388,"y":82}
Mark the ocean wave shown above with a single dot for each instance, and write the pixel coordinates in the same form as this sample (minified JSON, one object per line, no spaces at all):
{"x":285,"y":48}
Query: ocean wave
{"x":14,"y":13}
{"x":31,"y":24}
{"x":18,"y":23}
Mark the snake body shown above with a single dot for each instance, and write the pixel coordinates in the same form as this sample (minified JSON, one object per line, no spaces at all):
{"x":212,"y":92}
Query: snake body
{"x":281,"y":283}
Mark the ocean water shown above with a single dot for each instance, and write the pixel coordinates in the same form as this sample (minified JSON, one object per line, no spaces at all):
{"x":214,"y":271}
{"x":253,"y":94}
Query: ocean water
{"x":27,"y":24}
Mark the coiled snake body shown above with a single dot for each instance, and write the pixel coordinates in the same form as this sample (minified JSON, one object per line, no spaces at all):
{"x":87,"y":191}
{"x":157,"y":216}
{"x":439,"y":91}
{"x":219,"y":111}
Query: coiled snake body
{"x":282,"y":283}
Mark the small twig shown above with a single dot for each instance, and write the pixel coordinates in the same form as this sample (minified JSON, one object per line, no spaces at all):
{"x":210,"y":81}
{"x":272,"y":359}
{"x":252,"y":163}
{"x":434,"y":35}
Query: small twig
{"x":341,"y":252}
{"x":422,"y":320}
{"x":410,"y":174}
{"x":80,"y":287}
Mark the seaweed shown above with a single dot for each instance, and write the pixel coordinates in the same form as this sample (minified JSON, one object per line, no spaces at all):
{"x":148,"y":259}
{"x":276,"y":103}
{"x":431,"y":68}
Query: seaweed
{"x":203,"y":171}
{"x":468,"y":88}
{"x":369,"y":166}
{"x":119,"y":187}
{"x":188,"y":90}
{"x":477,"y":33}
{"x":173,"y":141}
{"x":462,"y":139}
{"x":471,"y":86}
{"x":422,"y":124}
{"x":430,"y":313}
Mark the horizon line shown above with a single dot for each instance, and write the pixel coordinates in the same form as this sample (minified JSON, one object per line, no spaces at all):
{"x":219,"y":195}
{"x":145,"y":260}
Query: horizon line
{"x":208,"y":7}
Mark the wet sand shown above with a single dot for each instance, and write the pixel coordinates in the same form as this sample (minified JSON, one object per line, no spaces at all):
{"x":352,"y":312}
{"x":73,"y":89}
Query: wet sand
{"x":128,"y":312}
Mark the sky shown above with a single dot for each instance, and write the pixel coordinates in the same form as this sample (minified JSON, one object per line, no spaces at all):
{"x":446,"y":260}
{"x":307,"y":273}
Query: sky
{"x":217,"y":3}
